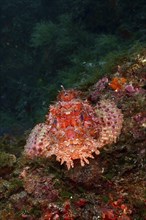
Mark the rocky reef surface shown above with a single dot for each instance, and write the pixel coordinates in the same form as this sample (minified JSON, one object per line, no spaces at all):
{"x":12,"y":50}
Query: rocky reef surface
{"x":110,"y":186}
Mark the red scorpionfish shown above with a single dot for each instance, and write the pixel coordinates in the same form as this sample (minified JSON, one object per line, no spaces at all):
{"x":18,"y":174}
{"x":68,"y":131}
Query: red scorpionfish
{"x":74,"y":129}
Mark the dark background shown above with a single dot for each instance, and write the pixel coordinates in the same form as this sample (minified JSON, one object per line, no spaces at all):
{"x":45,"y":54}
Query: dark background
{"x":45,"y":44}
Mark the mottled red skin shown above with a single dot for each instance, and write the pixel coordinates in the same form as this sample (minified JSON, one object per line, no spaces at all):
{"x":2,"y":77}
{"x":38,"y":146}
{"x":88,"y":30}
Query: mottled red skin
{"x":74,"y":129}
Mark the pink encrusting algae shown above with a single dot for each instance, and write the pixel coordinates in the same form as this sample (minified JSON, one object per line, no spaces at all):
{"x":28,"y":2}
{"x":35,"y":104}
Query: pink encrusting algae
{"x":74,"y":129}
